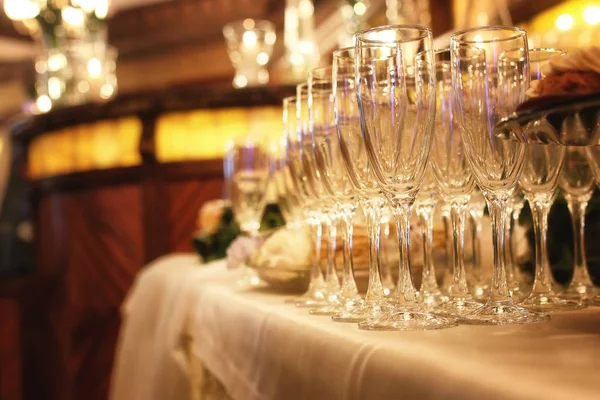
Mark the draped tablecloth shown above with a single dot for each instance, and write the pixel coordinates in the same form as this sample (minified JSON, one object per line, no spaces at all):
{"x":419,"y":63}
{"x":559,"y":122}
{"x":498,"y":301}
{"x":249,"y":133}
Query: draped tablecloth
{"x":260,"y":348}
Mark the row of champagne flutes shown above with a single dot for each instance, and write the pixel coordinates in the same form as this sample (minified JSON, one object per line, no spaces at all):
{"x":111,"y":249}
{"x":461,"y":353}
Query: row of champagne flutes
{"x":393,"y":124}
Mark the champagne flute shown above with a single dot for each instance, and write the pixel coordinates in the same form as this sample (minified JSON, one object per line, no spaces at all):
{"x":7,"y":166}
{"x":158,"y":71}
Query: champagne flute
{"x":454,"y":179}
{"x":315,"y":295}
{"x":396,"y":97}
{"x":247,"y":164}
{"x":577,"y":184}
{"x":309,"y":113}
{"x":334,"y":178}
{"x":361,"y":178}
{"x":483,"y":97}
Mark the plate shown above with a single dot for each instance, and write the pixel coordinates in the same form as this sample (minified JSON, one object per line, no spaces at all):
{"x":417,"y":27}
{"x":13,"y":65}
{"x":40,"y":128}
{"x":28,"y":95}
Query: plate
{"x":564,"y":120}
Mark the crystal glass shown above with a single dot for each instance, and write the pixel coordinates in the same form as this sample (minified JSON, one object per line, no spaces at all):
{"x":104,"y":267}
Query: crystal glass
{"x":287,"y":197}
{"x":385,"y":266}
{"x":483,"y":96}
{"x":429,"y":293}
{"x":455,"y":182}
{"x":577,"y":184}
{"x":250,"y":44}
{"x":396,"y":97}
{"x":593,"y":157}
{"x":311,"y":113}
{"x":315,"y":295}
{"x":361,"y":178}
{"x":479,"y":284}
{"x":539,"y":180}
{"x":335,"y":180}
{"x":247,"y":164}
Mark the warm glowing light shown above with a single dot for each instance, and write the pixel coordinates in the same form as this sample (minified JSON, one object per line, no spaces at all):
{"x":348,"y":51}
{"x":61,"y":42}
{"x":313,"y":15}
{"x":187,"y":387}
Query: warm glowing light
{"x":56,"y":61}
{"x":101,"y":8}
{"x":83,"y":87}
{"x":240,"y":81}
{"x":248,"y":24}
{"x":478,"y":39}
{"x":54,"y":87}
{"x":592,"y":15}
{"x":564,"y":22}
{"x":106,"y":91}
{"x":305,"y":9}
{"x":262,"y":58}
{"x":44,"y":104}
{"x":249,"y":38}
{"x":270,"y":38}
{"x":360,"y":8}
{"x":87,"y":5}
{"x":19,"y":10}
{"x":73,"y":16}
{"x":94,"y":67}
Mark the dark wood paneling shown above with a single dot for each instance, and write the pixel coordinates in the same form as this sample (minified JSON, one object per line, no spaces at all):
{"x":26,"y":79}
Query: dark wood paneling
{"x":184,"y":199}
{"x":10,"y":355}
{"x":90,"y":248}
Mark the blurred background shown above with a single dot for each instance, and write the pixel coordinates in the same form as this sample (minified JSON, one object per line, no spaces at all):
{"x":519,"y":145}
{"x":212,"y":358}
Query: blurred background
{"x":114,"y":116}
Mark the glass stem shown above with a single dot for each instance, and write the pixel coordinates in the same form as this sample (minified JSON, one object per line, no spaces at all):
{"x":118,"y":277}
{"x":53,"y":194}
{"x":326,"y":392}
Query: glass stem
{"x":508,"y":255}
{"x":542,"y":282}
{"x":577,"y":208}
{"x":316,"y":274}
{"x":459,"y":288}
{"x":499,"y":291}
{"x":384,"y":257}
{"x":447,"y":277}
{"x":428,"y":281}
{"x":405,"y":290}
{"x":348,"y":283}
{"x":476,"y":229}
{"x":374,"y":288}
{"x":331,"y":276}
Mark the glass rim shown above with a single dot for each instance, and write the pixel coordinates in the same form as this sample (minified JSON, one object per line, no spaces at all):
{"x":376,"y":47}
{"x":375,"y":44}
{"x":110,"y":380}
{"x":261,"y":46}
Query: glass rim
{"x":342,"y":50}
{"x":425,"y":32}
{"x":520,"y":33}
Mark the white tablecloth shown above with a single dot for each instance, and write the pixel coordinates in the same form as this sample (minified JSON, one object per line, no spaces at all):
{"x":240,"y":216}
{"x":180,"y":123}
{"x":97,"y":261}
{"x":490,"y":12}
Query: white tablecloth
{"x":261,"y":348}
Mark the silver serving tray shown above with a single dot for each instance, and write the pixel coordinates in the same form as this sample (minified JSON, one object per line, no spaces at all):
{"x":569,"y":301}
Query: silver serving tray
{"x":564,"y":120}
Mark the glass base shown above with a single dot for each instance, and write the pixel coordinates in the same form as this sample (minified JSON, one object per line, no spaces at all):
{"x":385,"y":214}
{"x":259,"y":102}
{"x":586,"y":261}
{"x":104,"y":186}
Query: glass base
{"x":503,"y":313}
{"x":326,"y":310}
{"x":372,"y":309}
{"x":550,"y":302}
{"x":249,"y":278}
{"x":457,"y":307}
{"x":311,"y":303}
{"x":407,"y":320}
{"x":314,"y":292}
{"x":480,"y":291}
{"x":594,"y":301}
{"x":431,"y":300}
{"x":580,"y":291}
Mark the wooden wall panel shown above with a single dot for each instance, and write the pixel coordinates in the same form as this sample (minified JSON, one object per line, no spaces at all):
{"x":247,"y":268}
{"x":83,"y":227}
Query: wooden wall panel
{"x":10,"y":356}
{"x":100,"y":231}
{"x":184,"y":199}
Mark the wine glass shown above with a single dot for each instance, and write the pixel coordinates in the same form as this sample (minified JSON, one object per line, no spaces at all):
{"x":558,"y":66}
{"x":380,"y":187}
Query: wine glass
{"x":592,"y":154}
{"x":479,"y":285}
{"x":453,"y":176}
{"x":429,"y":293}
{"x":396,"y":97}
{"x":309,"y":114}
{"x":248,"y":170}
{"x":483,"y":97}
{"x":334,"y":179}
{"x":539,"y":180}
{"x":577,"y":184}
{"x":315,"y":295}
{"x":361,"y":178}
{"x":287,"y":198}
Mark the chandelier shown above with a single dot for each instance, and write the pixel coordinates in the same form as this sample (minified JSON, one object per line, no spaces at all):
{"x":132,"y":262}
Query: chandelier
{"x":74,"y":63}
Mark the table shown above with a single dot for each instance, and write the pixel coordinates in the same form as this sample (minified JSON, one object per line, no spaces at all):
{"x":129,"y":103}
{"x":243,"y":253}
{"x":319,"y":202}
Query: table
{"x":260,"y":348}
